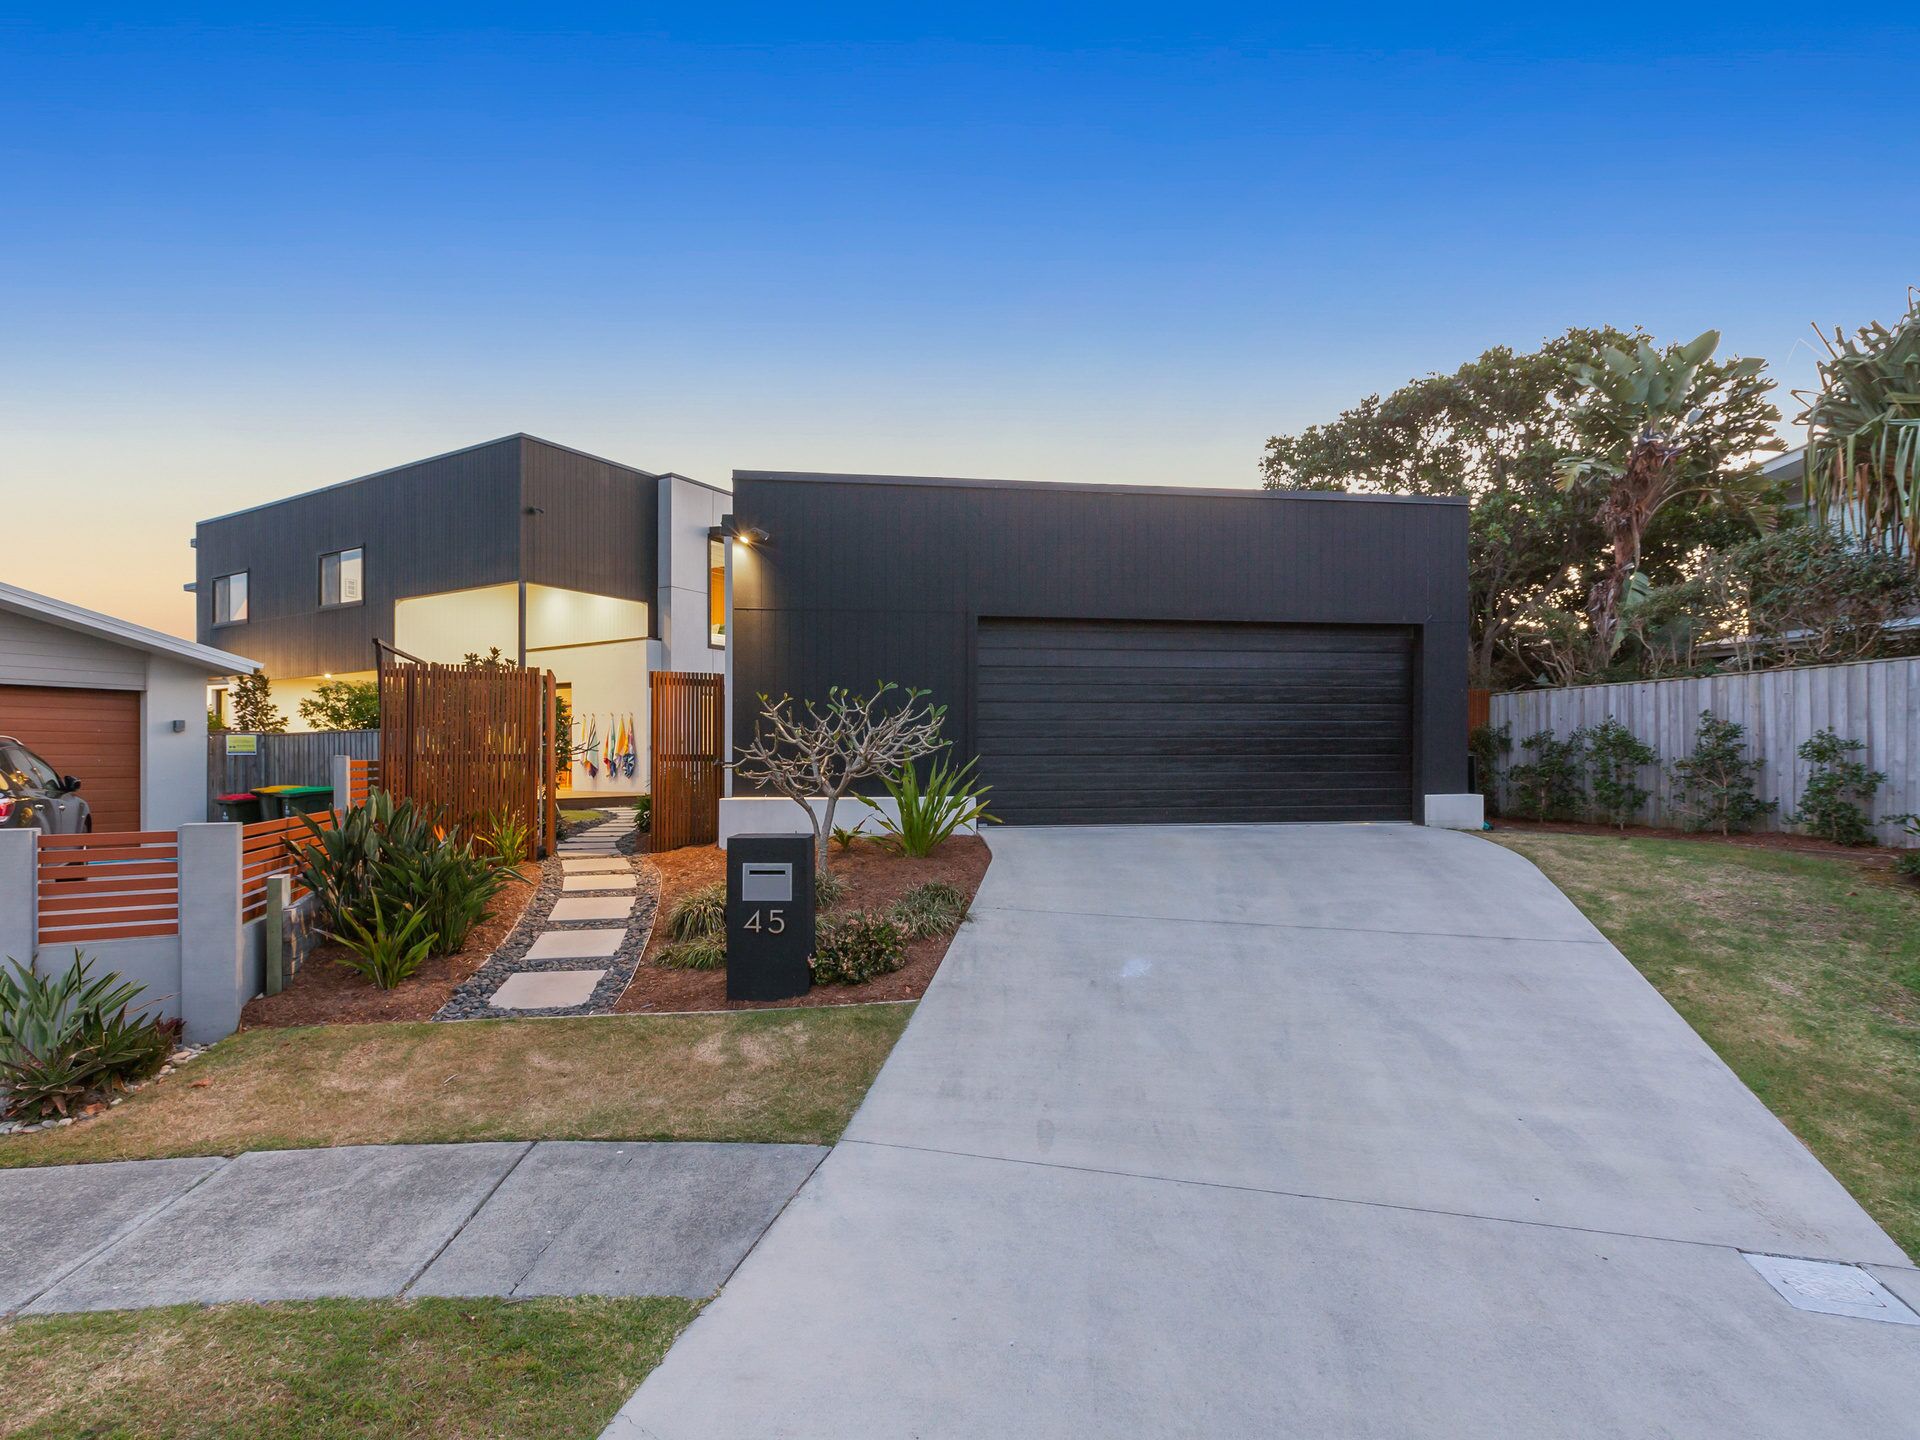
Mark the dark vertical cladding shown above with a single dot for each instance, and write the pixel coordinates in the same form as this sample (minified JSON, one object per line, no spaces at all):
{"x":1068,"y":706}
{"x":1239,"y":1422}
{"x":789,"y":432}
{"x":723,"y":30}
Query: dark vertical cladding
{"x":870,"y":577}
{"x":455,"y":522}
{"x":597,"y":528}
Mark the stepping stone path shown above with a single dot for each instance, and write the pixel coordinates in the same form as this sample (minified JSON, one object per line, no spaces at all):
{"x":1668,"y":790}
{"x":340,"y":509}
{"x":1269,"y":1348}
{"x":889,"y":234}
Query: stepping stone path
{"x":582,"y":935}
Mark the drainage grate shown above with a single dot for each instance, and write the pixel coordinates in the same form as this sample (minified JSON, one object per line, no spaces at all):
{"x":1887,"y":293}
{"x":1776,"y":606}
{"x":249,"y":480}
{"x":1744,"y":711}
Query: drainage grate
{"x":1832,"y":1289}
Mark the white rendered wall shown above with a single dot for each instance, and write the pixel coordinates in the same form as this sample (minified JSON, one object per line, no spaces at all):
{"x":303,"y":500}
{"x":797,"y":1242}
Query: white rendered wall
{"x":447,"y":627}
{"x":687,"y":512}
{"x":597,"y":646}
{"x":173,"y":765}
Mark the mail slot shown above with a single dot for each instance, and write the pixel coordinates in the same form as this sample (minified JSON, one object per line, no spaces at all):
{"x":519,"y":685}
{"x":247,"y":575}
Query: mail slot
{"x":770,"y":929}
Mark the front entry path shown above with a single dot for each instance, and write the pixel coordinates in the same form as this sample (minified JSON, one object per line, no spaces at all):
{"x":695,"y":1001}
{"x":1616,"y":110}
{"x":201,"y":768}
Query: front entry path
{"x":1328,"y":1131}
{"x":367,"y":1221}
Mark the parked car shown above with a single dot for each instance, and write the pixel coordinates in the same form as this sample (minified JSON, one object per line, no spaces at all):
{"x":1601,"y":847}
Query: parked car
{"x":34,"y":796}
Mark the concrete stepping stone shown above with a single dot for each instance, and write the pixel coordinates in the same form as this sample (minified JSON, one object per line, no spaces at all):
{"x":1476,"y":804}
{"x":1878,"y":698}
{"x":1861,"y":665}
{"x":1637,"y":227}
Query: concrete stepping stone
{"x":547,"y":989}
{"x":573,"y":866}
{"x":591,"y":907}
{"x":608,"y":881}
{"x":575,"y":945}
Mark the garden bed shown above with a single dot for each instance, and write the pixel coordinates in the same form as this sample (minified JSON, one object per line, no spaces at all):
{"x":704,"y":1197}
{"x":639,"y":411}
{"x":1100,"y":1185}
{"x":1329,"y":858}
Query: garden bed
{"x":324,"y":992}
{"x":1873,"y":855}
{"x":875,"y":880}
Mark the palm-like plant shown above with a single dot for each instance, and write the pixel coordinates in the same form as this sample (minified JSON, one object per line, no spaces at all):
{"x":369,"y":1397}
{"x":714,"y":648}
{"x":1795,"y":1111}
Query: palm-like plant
{"x":1653,"y":410}
{"x":1863,"y":434}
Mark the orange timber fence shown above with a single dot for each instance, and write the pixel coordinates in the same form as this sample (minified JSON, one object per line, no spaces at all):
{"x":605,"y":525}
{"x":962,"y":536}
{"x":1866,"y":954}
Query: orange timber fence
{"x":362,"y":777}
{"x":469,"y":742}
{"x":688,"y":738}
{"x":269,"y":848}
{"x":109,"y":886}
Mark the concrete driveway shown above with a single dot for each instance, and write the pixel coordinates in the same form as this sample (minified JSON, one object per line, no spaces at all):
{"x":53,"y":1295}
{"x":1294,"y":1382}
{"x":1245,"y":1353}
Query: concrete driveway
{"x":1325,"y":1131}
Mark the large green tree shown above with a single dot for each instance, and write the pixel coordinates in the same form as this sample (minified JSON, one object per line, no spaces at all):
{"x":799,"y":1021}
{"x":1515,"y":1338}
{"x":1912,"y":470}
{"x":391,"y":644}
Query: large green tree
{"x":1496,"y":430}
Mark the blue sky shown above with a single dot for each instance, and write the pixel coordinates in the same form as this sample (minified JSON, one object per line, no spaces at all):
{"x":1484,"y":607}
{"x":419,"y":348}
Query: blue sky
{"x":240,"y":258}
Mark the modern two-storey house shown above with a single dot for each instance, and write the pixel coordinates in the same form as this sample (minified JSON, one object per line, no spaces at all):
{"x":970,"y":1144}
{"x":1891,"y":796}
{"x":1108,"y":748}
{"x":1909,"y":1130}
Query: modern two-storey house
{"x":600,"y":572}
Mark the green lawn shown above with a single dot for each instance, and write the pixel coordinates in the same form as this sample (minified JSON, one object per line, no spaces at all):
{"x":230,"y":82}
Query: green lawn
{"x":1803,"y":972}
{"x":333,"y":1369}
{"x":774,"y":1075}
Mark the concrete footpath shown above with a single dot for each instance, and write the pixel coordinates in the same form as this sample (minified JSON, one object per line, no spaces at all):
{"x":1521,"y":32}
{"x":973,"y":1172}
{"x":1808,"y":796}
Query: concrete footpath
{"x":1330,"y":1131}
{"x":519,"y":1219}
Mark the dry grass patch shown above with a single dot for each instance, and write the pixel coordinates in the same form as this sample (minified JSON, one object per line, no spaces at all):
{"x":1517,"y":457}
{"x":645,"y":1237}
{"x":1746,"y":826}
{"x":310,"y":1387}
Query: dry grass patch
{"x":334,"y":1369}
{"x":1802,"y":972}
{"x":785,"y":1075}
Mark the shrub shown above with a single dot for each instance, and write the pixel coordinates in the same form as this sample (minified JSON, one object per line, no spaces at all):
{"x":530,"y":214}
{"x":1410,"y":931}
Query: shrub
{"x":643,"y":813}
{"x":446,"y":881}
{"x":1615,"y":755}
{"x":1907,"y":862}
{"x":929,"y":815}
{"x":1547,"y":787}
{"x":343,"y":705}
{"x":66,"y":1038}
{"x":698,"y":914}
{"x":1831,"y":805}
{"x":701,"y":952}
{"x":855,"y":949}
{"x":1816,"y":596}
{"x":1489,"y":745}
{"x":381,"y":953}
{"x":509,"y":837}
{"x":844,"y":839}
{"x":1714,"y":786}
{"x":828,"y":890}
{"x":935,"y":908}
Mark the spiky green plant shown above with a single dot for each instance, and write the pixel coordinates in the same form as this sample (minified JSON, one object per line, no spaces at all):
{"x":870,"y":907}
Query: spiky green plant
{"x":68,"y":1036}
{"x":950,"y":799}
{"x":1863,"y":433}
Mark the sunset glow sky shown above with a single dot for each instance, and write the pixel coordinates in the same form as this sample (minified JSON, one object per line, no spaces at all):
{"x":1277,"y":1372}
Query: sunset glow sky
{"x":242,"y":259}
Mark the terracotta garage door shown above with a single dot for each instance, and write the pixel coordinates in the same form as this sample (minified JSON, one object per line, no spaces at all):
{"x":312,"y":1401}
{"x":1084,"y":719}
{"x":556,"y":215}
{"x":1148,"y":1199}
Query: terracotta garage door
{"x":1115,"y":722}
{"x":92,"y":735}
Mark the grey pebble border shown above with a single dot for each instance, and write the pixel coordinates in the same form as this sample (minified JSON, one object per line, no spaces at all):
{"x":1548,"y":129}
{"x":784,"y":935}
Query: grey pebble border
{"x":470,"y":1001}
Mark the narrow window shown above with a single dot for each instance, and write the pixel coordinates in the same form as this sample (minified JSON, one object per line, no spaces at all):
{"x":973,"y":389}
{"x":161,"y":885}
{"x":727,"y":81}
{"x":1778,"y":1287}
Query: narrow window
{"x":230,"y":599}
{"x":340,"y":576}
{"x":717,"y":593}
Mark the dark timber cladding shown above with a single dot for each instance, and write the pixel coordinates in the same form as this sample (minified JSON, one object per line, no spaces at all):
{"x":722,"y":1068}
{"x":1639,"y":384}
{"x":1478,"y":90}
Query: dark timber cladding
{"x":1114,"y":653}
{"x":513,"y":509}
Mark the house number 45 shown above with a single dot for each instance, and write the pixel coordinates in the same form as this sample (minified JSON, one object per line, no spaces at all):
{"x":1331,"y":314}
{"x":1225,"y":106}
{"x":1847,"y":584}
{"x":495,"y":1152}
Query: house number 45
{"x":774,"y":923}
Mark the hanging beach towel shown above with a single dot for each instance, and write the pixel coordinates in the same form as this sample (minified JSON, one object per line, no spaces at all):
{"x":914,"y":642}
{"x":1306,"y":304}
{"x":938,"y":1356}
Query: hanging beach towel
{"x":629,"y":749}
{"x":590,"y":756}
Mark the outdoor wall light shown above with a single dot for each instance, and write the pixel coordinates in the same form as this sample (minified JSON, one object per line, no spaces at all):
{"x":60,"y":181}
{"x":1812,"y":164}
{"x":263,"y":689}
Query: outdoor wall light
{"x":727,"y":529}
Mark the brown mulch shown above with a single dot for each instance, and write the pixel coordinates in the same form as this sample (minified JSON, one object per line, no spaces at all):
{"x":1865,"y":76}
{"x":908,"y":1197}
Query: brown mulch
{"x":324,"y":992}
{"x":875,"y":881}
{"x":1876,"y":855}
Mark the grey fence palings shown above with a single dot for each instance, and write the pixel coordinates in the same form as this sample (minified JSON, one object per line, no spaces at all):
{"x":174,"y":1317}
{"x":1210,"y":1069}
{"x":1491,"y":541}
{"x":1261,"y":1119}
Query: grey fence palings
{"x":283,"y":760}
{"x":1874,"y":701}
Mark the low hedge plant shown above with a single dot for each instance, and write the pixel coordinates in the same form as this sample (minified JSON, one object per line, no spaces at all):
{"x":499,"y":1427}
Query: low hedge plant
{"x":857,"y":948}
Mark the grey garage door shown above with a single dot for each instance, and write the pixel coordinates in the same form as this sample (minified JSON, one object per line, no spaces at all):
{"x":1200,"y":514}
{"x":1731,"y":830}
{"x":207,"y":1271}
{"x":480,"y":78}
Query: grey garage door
{"x":1110,"y":722}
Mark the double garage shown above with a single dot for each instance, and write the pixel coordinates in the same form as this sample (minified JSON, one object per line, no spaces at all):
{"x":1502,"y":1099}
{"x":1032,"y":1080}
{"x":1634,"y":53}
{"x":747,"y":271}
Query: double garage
{"x":1120,"y":654}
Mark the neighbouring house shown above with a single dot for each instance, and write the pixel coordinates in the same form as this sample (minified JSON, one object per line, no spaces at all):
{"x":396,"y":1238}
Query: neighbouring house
{"x":600,"y":572}
{"x":1116,"y":654}
{"x":118,"y":706}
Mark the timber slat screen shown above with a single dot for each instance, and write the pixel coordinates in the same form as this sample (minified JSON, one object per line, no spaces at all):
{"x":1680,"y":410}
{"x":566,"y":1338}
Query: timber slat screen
{"x":108,"y":886}
{"x":688,"y":736}
{"x":267,"y":847}
{"x":467,"y":742}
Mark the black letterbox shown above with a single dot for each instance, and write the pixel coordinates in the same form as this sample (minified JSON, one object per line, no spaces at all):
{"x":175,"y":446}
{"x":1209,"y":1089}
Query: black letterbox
{"x":769,"y":916}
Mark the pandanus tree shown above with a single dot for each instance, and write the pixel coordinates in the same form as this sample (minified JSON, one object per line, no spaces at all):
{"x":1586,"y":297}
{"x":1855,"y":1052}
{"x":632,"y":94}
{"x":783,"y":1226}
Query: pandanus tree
{"x":1670,"y":423}
{"x":1863,"y":434}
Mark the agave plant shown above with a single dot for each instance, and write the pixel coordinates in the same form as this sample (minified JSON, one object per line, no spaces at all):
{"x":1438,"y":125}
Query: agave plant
{"x":929,"y":813}
{"x":1863,"y":434}
{"x":69,"y":1036}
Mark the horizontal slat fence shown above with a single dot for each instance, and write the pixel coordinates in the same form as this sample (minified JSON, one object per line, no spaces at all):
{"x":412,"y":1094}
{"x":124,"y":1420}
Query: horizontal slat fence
{"x":1874,"y":701}
{"x":111,"y":885}
{"x":362,"y":777}
{"x":283,"y":760}
{"x":265,"y":851}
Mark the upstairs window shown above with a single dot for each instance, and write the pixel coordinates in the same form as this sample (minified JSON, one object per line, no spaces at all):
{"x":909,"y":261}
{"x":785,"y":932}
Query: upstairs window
{"x":716,"y":593}
{"x":230,"y":599}
{"x":340,"y":578}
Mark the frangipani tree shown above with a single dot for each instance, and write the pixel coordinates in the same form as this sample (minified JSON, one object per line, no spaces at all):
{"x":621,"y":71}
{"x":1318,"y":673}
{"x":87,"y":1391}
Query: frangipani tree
{"x":1662,"y":416}
{"x":811,"y":751}
{"x":1863,"y":434}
